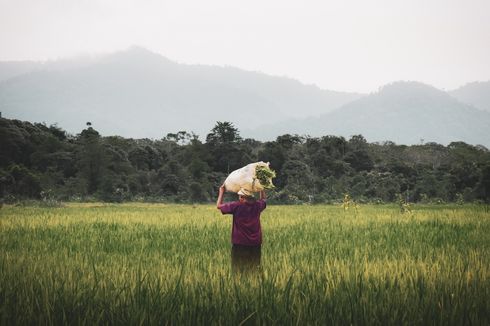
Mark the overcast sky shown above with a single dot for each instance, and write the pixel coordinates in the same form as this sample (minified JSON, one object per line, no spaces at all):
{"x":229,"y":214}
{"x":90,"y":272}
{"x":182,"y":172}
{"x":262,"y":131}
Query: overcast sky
{"x":345,"y":45}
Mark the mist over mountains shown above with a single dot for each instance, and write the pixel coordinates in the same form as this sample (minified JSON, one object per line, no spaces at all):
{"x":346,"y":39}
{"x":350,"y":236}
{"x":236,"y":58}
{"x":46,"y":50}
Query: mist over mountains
{"x":137,"y":93}
{"x":140,"y":94}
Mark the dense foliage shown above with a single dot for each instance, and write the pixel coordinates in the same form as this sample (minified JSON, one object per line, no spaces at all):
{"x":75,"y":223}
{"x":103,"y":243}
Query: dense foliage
{"x":45,"y":162}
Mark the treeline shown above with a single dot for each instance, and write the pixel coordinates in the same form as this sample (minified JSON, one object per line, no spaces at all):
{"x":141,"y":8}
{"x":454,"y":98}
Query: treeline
{"x":45,"y":162}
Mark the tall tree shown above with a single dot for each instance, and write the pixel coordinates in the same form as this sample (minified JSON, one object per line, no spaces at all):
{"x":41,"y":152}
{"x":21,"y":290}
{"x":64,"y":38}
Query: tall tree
{"x":91,"y":158}
{"x":224,"y":144}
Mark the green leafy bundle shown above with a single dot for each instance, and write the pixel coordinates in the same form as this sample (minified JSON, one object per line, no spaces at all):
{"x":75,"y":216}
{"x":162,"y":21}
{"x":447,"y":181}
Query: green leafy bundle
{"x":264,"y":174}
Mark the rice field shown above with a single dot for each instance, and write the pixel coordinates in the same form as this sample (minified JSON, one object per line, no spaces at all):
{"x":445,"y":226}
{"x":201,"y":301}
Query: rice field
{"x":158,"y":264}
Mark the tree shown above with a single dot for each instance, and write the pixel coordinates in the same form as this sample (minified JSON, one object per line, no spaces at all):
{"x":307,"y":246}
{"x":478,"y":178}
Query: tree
{"x":223,"y":133}
{"x":14,"y":143}
{"x":359,"y":160}
{"x":299,"y":179}
{"x":334,"y":146}
{"x":181,"y":137}
{"x":22,"y":183}
{"x":483,"y":187}
{"x":223,"y":143}
{"x":179,"y":167}
{"x":357,"y":142}
{"x":91,"y":158}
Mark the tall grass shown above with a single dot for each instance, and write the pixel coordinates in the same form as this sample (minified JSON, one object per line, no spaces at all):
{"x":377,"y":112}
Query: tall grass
{"x":170,"y":264}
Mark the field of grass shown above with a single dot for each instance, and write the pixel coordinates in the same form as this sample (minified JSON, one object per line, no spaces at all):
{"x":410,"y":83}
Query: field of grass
{"x":170,"y":264}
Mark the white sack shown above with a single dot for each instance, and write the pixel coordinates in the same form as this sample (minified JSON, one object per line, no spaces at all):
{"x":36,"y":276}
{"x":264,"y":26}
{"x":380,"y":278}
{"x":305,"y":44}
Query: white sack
{"x":244,"y":179}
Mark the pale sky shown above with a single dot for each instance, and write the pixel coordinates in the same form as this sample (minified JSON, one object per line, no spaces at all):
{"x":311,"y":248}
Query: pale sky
{"x":344,"y":45}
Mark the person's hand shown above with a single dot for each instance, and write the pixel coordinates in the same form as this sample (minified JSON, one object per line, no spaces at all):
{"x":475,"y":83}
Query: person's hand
{"x":219,"y":202}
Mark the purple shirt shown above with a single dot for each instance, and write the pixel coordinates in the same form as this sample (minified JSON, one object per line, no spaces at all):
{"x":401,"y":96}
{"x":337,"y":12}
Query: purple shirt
{"x":246,"y":221}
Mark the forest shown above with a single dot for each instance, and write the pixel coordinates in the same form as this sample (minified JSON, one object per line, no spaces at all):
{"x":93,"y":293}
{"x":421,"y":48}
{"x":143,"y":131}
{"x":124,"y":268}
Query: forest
{"x":46,"y":163}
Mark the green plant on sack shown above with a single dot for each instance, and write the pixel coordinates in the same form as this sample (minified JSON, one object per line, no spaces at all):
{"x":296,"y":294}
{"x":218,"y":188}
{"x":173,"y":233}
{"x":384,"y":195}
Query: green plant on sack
{"x":264,"y":174}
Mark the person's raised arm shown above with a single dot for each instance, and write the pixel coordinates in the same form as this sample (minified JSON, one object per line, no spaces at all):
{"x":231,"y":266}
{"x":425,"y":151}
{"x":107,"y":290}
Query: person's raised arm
{"x":221,"y":192}
{"x":262,"y":195}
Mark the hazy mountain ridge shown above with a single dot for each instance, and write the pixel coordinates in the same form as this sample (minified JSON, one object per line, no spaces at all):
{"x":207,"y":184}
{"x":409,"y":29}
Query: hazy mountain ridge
{"x":403,"y":112}
{"x":137,"y":93}
{"x":15,"y":69}
{"x":12,"y":69}
{"x":476,"y":94}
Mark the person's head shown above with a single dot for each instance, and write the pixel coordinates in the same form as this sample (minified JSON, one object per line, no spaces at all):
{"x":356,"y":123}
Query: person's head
{"x":245,"y":196}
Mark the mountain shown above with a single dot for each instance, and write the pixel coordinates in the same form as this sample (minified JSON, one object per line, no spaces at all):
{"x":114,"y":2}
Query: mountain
{"x":403,"y":112}
{"x":476,"y":94}
{"x":137,"y":93}
{"x":10,"y":69}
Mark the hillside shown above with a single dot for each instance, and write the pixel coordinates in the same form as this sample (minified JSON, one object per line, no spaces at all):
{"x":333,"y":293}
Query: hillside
{"x":137,"y":93}
{"x":403,"y":112}
{"x":11,"y":69}
{"x":476,"y":94}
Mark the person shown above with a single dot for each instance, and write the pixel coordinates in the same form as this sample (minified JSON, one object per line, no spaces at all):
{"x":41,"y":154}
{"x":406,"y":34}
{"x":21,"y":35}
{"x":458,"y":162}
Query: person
{"x":246,"y":233}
